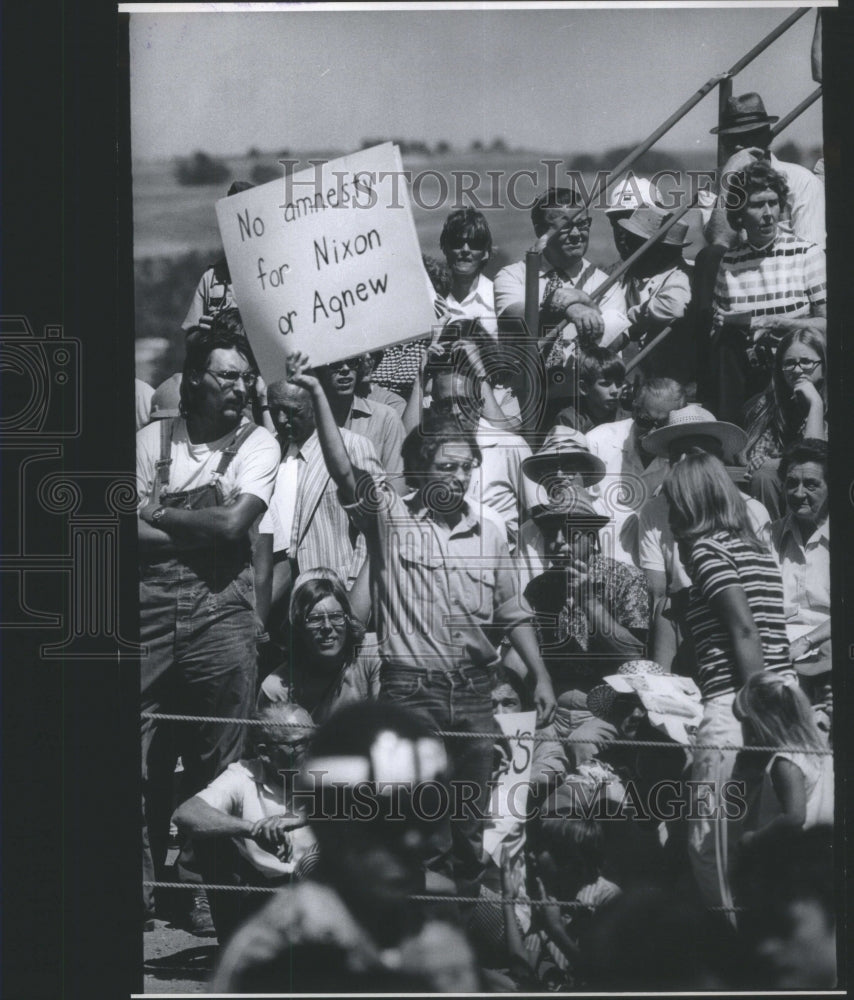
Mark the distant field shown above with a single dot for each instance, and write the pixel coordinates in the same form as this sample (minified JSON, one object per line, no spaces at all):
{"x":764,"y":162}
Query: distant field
{"x":176,"y":235}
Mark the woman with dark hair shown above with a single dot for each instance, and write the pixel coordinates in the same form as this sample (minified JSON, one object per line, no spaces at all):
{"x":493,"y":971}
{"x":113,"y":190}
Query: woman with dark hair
{"x":735,"y":613}
{"x":792,"y":408}
{"x":332,"y":662}
{"x":768,"y":285}
{"x":466,"y":243}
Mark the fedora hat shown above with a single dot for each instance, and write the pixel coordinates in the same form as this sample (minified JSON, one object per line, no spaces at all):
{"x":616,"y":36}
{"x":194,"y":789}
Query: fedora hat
{"x":646,"y":222}
{"x":631,"y":193}
{"x":562,"y":448}
{"x":743,"y":114}
{"x":574,"y":505}
{"x":690,"y":420}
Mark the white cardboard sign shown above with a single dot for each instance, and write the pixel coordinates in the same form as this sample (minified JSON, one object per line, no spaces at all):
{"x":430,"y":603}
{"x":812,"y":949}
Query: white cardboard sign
{"x":327,"y":261}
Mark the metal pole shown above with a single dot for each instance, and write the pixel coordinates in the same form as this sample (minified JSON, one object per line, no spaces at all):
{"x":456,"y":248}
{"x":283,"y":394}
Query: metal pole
{"x":724,"y":94}
{"x":795,"y":113}
{"x":636,"y":360}
{"x":760,"y":47}
{"x":618,"y":272}
{"x":680,"y":113}
{"x":532,"y":293}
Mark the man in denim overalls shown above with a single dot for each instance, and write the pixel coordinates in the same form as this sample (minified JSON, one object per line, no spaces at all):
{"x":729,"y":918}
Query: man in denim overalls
{"x":203,"y":480}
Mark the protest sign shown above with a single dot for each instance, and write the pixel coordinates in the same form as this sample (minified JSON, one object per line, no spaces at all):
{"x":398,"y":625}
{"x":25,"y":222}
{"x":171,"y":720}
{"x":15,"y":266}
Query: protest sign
{"x":326,"y":261}
{"x":504,"y":830}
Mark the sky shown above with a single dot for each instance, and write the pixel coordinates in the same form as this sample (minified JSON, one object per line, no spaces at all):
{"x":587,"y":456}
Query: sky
{"x":553,"y":80}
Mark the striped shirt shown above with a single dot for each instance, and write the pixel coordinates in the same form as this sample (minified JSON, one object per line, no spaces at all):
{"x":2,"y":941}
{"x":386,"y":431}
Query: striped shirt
{"x":717,"y":563}
{"x":786,"y":279}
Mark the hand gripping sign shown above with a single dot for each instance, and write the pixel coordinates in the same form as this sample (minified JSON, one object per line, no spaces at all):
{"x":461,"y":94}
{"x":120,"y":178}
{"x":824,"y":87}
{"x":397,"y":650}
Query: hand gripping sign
{"x":332,"y":268}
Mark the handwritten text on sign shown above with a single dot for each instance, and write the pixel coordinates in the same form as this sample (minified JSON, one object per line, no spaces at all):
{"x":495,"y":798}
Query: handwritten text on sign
{"x":331,"y":269}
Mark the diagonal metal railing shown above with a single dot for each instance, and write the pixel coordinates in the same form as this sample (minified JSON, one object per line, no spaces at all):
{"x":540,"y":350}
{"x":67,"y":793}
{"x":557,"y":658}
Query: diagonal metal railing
{"x":605,"y":180}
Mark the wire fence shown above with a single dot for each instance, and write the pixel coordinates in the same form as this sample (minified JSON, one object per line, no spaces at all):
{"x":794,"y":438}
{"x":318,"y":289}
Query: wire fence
{"x":492,"y":900}
{"x":535,"y":737}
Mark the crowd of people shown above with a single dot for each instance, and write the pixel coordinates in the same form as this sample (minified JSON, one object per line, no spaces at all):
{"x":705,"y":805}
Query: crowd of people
{"x":622,"y":535}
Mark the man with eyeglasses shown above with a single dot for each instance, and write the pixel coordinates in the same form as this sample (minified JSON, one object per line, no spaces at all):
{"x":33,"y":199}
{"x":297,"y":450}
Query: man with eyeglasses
{"x":567,"y":279}
{"x":444,"y":594}
{"x":203,"y":480}
{"x":243,"y":823}
{"x":632,"y":474}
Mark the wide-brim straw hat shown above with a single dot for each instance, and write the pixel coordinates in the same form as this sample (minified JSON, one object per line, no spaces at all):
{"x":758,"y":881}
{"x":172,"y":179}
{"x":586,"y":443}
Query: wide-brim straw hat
{"x":564,"y":447}
{"x":672,"y":702}
{"x":645,"y":222}
{"x":743,"y":114}
{"x":694,"y":419}
{"x":600,"y":699}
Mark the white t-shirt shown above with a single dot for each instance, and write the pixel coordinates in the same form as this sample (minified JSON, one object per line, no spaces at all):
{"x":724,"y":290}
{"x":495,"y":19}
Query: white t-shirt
{"x":241,"y":791}
{"x":657,"y":547}
{"x":143,"y":394}
{"x":252,"y":470}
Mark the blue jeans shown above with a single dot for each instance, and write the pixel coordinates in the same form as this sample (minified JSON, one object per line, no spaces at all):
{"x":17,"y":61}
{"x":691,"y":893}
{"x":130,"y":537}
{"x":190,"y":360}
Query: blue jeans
{"x":201,"y":660}
{"x":457,"y":699}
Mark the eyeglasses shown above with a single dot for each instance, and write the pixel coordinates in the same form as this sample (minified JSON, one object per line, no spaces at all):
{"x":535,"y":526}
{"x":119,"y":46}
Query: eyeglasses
{"x":337,"y":619}
{"x":448,"y":467}
{"x":647,"y":424}
{"x":230,"y":378}
{"x":806,"y":365}
{"x":582,"y":225}
{"x":337,"y":366}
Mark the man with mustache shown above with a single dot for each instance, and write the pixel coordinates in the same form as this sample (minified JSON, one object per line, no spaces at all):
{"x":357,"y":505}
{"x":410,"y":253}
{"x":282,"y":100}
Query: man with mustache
{"x":203,"y":479}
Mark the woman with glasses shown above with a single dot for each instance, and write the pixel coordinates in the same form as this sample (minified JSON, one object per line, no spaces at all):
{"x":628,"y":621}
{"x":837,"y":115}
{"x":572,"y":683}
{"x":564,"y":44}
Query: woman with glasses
{"x":332,"y":661}
{"x":792,"y":408}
